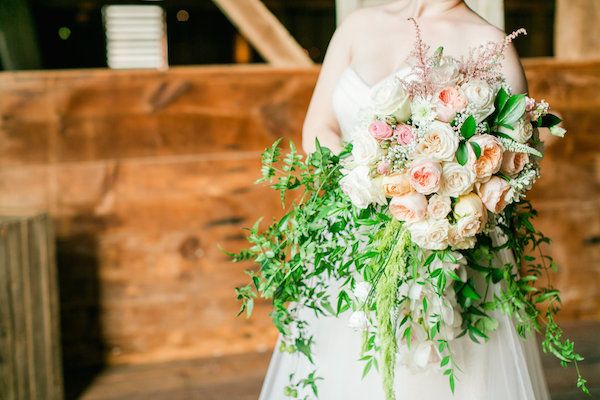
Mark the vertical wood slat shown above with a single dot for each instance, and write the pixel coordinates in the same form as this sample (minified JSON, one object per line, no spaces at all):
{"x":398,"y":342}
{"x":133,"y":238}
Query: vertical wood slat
{"x":30,"y":359}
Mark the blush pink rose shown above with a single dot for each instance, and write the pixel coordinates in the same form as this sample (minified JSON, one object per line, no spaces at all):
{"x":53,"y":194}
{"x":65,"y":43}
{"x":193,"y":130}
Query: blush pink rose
{"x":425,"y":176}
{"x":449,"y":102}
{"x":513,"y":163}
{"x":380,"y":130}
{"x":494,"y":194}
{"x":383,"y":168}
{"x":405,"y":134}
{"x":411,"y":207}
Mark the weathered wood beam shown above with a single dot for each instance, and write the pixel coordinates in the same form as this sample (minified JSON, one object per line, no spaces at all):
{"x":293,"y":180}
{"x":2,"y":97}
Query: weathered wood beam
{"x":18,"y":42}
{"x":491,"y":10}
{"x":265,"y":32}
{"x":577,"y":29}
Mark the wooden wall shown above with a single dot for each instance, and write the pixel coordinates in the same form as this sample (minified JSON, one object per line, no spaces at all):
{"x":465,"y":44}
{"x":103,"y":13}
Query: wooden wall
{"x":145,"y":173}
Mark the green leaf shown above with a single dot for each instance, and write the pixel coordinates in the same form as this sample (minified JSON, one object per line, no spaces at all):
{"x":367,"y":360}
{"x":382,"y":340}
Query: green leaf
{"x":462,"y":154}
{"x":469,"y":292}
{"x":445,"y":361}
{"x":468,"y":128}
{"x":501,"y":99}
{"x":513,"y":110}
{"x":549,"y":120}
{"x":476,"y":149}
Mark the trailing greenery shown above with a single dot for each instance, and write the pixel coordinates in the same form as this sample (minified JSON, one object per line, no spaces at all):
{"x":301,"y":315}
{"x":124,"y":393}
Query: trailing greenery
{"x":322,"y":238}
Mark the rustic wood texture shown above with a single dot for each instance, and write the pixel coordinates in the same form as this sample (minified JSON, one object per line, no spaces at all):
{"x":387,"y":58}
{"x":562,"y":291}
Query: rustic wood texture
{"x":577,"y":29}
{"x":265,"y":32}
{"x":30,"y":356}
{"x":146,"y":173}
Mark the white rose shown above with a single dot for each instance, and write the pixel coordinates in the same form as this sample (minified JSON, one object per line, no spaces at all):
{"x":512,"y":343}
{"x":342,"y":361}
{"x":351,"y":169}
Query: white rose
{"x":392,"y":99}
{"x":480,"y":96}
{"x":431,"y":234}
{"x":361,"y":291}
{"x":439,"y":142}
{"x":358,"y":321}
{"x":439,"y":206}
{"x":365,"y":149}
{"x":457,"y":179}
{"x":361,"y":189}
{"x":521,"y":131}
{"x":468,"y":226}
{"x":446,"y":73}
{"x":470,"y":206}
{"x":423,"y":111}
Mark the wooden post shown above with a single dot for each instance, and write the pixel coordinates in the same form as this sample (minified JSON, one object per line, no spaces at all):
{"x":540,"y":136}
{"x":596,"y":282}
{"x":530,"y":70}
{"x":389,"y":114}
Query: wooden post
{"x":492,"y":10}
{"x":18,"y":43}
{"x":577,"y":29}
{"x":264,"y":31}
{"x":30,"y":357}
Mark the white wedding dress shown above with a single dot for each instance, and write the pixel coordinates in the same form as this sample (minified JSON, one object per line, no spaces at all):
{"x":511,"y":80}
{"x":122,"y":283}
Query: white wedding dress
{"x":505,"y":368}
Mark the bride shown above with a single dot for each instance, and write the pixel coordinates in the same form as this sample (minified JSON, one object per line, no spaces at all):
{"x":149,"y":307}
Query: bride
{"x":371,"y":47}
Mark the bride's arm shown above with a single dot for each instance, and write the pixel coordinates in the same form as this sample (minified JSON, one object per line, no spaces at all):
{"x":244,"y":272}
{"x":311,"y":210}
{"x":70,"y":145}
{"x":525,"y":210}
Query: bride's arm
{"x":320,"y":119}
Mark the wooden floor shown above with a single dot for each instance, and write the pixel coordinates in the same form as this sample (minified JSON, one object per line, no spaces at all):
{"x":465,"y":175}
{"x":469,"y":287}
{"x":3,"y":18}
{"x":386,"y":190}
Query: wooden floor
{"x":240,"y":377}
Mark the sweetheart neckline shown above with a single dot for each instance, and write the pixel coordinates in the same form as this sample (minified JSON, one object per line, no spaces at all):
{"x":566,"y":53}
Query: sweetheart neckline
{"x":351,"y":69}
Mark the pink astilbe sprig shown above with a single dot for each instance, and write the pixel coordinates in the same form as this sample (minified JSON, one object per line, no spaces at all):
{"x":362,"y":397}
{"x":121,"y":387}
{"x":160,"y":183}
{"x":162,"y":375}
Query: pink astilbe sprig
{"x":422,"y":86}
{"x":485,"y":62}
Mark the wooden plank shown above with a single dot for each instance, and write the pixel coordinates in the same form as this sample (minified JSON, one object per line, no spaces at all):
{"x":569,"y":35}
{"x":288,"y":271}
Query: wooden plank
{"x":264,"y":31}
{"x":577,"y":29}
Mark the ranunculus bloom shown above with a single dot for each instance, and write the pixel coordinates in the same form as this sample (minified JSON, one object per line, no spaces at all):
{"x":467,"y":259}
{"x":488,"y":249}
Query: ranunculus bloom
{"x":410,"y":207}
{"x":380,"y":130}
{"x":494,"y":194}
{"x":449,"y":102}
{"x":439,"y":142}
{"x":457,"y":179}
{"x":439,"y":206}
{"x":491,"y":157}
{"x":521,"y":131}
{"x":396,"y":185}
{"x":513,"y":163}
{"x":404,"y":133}
{"x":425,"y":176}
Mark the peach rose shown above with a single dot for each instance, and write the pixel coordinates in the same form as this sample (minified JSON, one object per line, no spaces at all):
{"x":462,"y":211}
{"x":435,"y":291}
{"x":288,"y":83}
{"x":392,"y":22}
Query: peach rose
{"x":425,"y":176}
{"x":494,"y":194}
{"x":491,"y":157}
{"x":396,"y":185}
{"x":513,"y":163}
{"x":411,"y":207}
{"x":449,"y":102}
{"x":404,"y":134}
{"x":380,"y":130}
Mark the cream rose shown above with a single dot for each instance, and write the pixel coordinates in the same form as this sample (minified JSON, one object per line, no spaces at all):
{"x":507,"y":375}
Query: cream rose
{"x":410,"y":207}
{"x":458,"y":242}
{"x":457,"y":179}
{"x":521,"y":132}
{"x":513,"y":163}
{"x":361,"y":189}
{"x":392,"y":99}
{"x":495,"y":194}
{"x":439,"y":206}
{"x":396,"y":185}
{"x":490,"y":160}
{"x":480,"y":96}
{"x":365,"y":149}
{"x":425,"y":176}
{"x":470,"y":205}
{"x":439,"y":142}
{"x":430,"y":234}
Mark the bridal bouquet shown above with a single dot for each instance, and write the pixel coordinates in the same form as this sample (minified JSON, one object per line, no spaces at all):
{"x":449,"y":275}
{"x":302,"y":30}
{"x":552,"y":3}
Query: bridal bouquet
{"x":414,"y":221}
